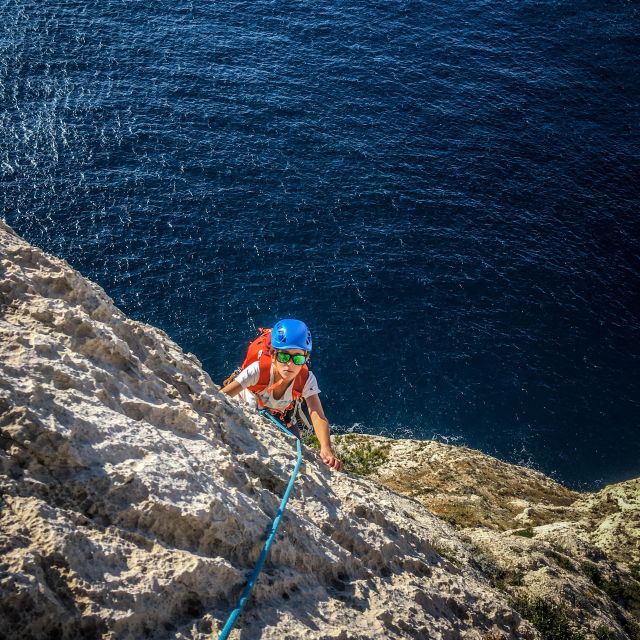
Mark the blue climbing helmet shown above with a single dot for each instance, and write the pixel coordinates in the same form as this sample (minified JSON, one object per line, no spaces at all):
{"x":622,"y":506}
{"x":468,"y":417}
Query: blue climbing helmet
{"x":291,"y":334}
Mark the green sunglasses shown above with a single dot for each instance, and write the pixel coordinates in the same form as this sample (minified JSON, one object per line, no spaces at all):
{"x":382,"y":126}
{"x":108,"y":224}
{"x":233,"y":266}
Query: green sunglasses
{"x":284,"y":357}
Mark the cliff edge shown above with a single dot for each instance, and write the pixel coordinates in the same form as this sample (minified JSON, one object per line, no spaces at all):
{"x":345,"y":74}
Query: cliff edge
{"x":135,"y":499}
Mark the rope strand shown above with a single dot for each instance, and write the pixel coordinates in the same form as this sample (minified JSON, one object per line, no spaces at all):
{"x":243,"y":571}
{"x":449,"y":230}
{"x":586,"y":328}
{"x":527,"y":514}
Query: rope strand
{"x":233,"y":616}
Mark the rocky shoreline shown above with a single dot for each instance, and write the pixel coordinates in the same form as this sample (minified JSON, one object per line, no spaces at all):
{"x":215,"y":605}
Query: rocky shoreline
{"x":577,"y":554}
{"x":135,"y":498}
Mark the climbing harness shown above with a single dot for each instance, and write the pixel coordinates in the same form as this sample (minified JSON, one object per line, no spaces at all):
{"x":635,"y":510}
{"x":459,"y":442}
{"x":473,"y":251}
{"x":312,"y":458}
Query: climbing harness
{"x":224,"y":634}
{"x":299,"y":415}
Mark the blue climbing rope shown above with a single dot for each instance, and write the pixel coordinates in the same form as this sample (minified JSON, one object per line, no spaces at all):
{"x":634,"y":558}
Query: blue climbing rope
{"x":224,"y":634}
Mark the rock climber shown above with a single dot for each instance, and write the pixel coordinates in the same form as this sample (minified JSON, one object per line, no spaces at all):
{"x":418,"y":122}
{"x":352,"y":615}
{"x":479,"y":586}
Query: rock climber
{"x":275,"y":376}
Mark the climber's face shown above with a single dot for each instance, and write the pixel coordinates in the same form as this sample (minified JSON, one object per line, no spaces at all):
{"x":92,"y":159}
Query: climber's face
{"x":285,"y":362}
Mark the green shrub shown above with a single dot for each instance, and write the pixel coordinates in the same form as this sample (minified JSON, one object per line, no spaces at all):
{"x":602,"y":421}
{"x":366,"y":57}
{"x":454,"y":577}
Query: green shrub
{"x":525,"y":533}
{"x":311,"y":440}
{"x":487,"y":565}
{"x":603,"y":632}
{"x":626,"y":593}
{"x":632,"y":628}
{"x":592,"y":571}
{"x":362,"y":457}
{"x":500,"y":577}
{"x":562,"y":561}
{"x":447,"y":555}
{"x":548,"y":618}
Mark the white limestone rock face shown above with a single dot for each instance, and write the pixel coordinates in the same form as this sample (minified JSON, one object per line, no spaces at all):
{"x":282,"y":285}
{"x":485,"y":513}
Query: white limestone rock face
{"x":135,"y":497}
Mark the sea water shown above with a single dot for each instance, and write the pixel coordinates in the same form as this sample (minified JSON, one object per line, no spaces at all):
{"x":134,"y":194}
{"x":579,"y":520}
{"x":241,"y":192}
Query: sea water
{"x":447,"y":193}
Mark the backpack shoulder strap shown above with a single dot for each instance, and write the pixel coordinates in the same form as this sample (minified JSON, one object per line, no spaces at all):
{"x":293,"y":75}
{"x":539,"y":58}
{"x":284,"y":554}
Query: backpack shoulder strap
{"x":300,"y":382}
{"x":265,"y":373}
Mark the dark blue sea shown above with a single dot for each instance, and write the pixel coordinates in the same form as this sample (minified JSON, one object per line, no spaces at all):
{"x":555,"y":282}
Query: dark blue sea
{"x":446,"y":192}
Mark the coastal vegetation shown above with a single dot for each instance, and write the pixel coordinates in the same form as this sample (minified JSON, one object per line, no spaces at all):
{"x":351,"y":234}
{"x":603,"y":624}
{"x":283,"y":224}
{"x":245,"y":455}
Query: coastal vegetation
{"x":548,"y":618}
{"x":360,"y":456}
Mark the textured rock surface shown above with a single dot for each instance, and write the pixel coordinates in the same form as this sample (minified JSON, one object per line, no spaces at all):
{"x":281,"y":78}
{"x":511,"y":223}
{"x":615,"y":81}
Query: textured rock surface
{"x":466,"y":487}
{"x":135,"y":498}
{"x":535,"y":540}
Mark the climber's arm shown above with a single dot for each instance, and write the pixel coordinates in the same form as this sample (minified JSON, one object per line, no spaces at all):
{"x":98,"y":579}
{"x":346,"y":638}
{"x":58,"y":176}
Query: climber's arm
{"x":232,"y":389}
{"x":321,"y":427}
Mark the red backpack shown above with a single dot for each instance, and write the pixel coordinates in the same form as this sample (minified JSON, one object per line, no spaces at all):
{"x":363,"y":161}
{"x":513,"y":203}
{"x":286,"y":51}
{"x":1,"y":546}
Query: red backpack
{"x":260,"y":349}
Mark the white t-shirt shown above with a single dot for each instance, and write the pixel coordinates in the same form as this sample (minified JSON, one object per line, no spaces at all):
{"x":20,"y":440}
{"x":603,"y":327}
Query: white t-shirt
{"x":250,"y":376}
